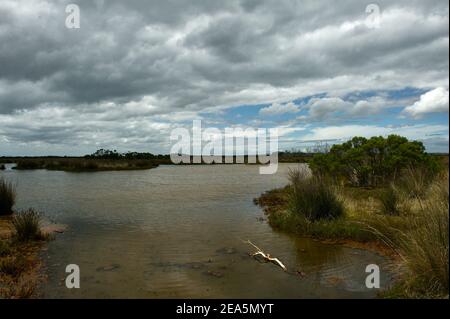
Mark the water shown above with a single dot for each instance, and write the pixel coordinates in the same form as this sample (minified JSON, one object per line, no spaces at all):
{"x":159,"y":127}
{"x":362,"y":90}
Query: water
{"x":177,"y":231}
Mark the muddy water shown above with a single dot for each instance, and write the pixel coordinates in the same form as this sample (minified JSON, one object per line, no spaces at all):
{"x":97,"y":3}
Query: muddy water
{"x":177,"y":231}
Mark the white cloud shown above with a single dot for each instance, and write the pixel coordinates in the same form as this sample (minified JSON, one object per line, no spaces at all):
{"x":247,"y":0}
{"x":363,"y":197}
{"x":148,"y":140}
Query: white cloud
{"x":336,"y":107}
{"x":277,"y":109}
{"x":344,"y":132}
{"x":138,"y":63}
{"x":431,"y":102}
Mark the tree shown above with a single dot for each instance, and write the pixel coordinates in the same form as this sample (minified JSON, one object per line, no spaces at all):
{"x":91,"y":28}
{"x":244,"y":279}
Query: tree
{"x":370,"y":162}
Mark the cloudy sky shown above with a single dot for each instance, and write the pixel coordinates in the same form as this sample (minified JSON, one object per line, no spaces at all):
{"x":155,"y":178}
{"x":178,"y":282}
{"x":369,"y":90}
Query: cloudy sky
{"x":135,"y":70}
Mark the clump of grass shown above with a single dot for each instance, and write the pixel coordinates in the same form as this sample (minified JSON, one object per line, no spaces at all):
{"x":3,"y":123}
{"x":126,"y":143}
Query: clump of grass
{"x":22,"y":290}
{"x":7,"y":197}
{"x":12,"y":265}
{"x":423,"y":243}
{"x":27,"y":226}
{"x":312,"y":197}
{"x":415,"y":182}
{"x":5,"y":248}
{"x":2,"y":167}
{"x":390,"y":199}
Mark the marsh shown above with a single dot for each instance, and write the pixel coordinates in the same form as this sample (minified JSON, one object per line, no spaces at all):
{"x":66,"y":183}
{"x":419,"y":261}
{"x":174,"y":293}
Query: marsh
{"x":178,"y":231}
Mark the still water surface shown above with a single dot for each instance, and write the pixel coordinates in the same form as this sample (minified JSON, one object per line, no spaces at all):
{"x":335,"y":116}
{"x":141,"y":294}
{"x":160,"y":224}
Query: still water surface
{"x":177,"y":231}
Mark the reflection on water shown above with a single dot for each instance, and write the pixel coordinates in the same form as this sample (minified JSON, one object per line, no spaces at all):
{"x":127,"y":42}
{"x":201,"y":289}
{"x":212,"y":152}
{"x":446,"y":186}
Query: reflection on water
{"x":177,"y":231}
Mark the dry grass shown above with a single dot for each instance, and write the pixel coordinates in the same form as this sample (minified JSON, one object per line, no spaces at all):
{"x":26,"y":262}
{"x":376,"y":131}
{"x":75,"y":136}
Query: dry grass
{"x":27,"y":226}
{"x":421,"y":238}
{"x":20,"y":269}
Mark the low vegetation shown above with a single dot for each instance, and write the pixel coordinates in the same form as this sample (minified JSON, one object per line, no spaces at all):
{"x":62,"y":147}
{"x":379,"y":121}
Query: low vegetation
{"x":19,"y":268}
{"x":423,"y":243}
{"x":27,"y":226}
{"x":21,"y":238}
{"x":20,"y":263}
{"x":389,"y":200}
{"x":7,"y":197}
{"x":311,"y":197}
{"x":84,"y":164}
{"x":406,"y":215}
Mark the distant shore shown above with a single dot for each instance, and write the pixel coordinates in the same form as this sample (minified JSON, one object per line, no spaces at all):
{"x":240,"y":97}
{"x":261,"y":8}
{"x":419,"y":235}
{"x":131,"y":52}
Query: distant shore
{"x":93,"y":164}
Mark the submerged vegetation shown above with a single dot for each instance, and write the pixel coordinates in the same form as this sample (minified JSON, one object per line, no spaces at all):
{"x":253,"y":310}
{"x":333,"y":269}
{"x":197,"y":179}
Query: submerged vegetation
{"x":405,"y":215}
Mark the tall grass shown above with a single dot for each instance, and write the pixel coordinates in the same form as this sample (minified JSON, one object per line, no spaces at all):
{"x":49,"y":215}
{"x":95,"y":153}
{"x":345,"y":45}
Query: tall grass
{"x":7,"y":197}
{"x":414,"y":182}
{"x":312,"y":197}
{"x":423,"y":242}
{"x":389,"y":199}
{"x":27,"y":226}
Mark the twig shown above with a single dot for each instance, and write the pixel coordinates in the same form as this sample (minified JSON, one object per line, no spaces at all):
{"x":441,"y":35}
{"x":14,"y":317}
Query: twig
{"x":260,"y":252}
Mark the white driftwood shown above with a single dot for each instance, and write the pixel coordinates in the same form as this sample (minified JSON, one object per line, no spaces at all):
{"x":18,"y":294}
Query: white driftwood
{"x":266,"y":256}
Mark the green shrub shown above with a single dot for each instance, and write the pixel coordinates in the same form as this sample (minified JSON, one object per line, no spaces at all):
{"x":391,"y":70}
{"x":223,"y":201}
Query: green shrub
{"x":27,"y":226}
{"x":312,"y":197}
{"x":372,"y":162}
{"x":7,"y":197}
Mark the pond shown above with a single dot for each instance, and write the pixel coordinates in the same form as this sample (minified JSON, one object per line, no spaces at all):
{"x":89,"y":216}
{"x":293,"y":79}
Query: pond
{"x":179,"y":232}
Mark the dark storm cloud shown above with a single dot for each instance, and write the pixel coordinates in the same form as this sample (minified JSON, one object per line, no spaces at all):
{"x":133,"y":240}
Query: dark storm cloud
{"x":147,"y":59}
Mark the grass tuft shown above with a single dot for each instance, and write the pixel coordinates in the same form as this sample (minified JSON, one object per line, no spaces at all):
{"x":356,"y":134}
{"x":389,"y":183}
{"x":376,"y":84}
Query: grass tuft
{"x":5,"y":248}
{"x":7,"y":197}
{"x":312,"y":197}
{"x":27,"y":226}
{"x":13,"y":266}
{"x":389,"y":200}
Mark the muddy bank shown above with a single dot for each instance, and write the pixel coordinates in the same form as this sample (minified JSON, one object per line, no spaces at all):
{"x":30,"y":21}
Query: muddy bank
{"x":22,"y":268}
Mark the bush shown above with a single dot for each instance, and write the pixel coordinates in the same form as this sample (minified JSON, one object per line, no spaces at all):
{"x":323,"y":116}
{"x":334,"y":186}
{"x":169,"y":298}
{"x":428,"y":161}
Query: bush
{"x":389,"y":201}
{"x":7,"y":197}
{"x":372,"y":162}
{"x":27,"y":226}
{"x":312,"y":197}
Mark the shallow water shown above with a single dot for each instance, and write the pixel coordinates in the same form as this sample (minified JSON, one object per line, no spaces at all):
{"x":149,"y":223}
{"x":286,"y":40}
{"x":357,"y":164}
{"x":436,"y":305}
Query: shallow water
{"x":177,"y":231}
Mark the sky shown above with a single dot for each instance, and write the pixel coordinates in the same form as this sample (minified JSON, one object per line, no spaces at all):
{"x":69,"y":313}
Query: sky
{"x":136,"y":70}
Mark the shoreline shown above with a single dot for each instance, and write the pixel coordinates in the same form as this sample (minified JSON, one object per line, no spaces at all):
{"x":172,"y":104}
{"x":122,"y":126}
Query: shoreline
{"x":273,"y":202}
{"x":22,"y":266}
{"x":274,"y":205}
